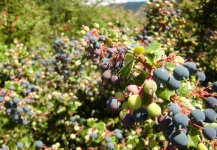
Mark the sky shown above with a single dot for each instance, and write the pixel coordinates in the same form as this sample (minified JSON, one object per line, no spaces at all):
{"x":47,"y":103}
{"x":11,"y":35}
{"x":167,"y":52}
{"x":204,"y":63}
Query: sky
{"x":123,"y":1}
{"x":136,"y":0}
{"x":106,"y":2}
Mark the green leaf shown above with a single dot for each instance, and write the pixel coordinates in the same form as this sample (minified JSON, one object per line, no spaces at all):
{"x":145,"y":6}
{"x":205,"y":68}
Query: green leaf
{"x":84,"y":132}
{"x":191,"y":143}
{"x":145,"y":99}
{"x":150,"y":59}
{"x":212,"y":125}
{"x":98,"y":140}
{"x":140,"y":144}
{"x":159,"y":55}
{"x":153,"y":48}
{"x":170,"y":66}
{"x":8,"y":84}
{"x":128,"y":57}
{"x":103,"y":31}
{"x":72,"y":78}
{"x":17,"y":86}
{"x":154,"y":52}
{"x":100,"y":125}
{"x":165,"y":93}
{"x":186,"y":102}
{"x":113,"y":34}
{"x":116,"y":120}
{"x":193,"y":38}
{"x":185,"y":89}
{"x":193,"y":137}
{"x":90,"y":122}
{"x":140,"y":79}
{"x":63,"y":137}
{"x":125,"y":71}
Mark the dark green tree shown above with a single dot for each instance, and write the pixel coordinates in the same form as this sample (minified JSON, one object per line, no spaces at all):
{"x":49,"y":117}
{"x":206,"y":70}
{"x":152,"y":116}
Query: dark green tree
{"x":18,"y":20}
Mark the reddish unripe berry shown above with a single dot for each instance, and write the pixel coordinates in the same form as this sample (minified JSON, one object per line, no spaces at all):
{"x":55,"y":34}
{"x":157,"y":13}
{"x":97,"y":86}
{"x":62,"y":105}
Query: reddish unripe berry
{"x":133,"y":89}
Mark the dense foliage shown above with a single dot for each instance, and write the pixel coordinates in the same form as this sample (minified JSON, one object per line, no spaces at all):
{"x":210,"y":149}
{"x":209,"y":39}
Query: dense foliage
{"x":39,"y":22}
{"x":191,"y":30}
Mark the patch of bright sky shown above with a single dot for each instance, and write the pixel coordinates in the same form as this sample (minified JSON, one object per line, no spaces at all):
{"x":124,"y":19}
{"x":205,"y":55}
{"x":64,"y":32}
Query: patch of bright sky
{"x":107,"y":2}
{"x":137,"y":0}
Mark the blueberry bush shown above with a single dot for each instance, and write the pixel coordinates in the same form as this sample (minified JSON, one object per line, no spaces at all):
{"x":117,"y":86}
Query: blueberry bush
{"x":106,"y":88}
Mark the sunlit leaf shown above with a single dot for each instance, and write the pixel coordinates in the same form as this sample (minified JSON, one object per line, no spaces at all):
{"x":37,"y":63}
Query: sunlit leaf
{"x":125,"y":71}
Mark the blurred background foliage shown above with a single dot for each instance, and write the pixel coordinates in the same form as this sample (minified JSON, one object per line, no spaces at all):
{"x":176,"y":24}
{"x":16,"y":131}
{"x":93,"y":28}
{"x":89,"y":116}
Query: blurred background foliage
{"x":189,"y":27}
{"x":40,"y":21}
{"x":201,"y":18}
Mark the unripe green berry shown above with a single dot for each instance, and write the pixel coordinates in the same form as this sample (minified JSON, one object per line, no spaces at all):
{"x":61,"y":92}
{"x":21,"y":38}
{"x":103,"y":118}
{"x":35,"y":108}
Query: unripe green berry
{"x":201,"y":146}
{"x":78,"y":148}
{"x":154,"y":110}
{"x":134,"y":101}
{"x":150,"y":87}
{"x":86,"y":28}
{"x":76,"y":128}
{"x":82,"y":32}
{"x":96,"y":25}
{"x":72,"y":136}
{"x":119,"y":96}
